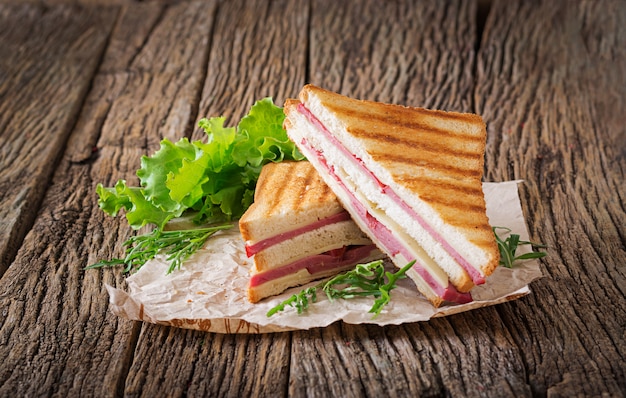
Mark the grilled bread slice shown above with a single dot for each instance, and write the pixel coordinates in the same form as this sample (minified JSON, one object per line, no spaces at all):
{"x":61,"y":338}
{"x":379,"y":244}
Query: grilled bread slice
{"x":297,"y":231}
{"x":418,"y":171}
{"x":291,"y":196}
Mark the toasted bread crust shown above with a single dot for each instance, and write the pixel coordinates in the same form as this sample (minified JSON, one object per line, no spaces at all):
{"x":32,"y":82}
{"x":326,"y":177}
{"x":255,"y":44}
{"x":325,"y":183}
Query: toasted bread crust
{"x":290,"y":195}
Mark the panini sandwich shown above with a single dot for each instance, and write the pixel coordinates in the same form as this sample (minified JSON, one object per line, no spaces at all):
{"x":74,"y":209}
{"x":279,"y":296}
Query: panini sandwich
{"x":297,"y":231}
{"x":410,"y":178}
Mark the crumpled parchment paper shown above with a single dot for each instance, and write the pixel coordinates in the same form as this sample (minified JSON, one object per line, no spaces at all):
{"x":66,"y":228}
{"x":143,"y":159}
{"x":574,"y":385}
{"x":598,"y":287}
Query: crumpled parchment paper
{"x":209,"y":292}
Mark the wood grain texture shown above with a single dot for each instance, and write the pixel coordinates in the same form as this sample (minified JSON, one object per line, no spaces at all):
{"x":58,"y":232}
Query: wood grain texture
{"x":258,"y":50}
{"x":411,"y":53}
{"x":54,"y":333}
{"x":101,"y":86}
{"x":553,"y":90}
{"x":208,"y":364}
{"x":255,"y":51}
{"x":47,"y":59}
{"x":57,"y":334}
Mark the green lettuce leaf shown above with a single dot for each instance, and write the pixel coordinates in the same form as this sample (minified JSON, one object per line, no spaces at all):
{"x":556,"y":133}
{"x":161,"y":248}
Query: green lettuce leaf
{"x":214,"y":178}
{"x":139,"y":210}
{"x":155,"y":170}
{"x":265,"y":139}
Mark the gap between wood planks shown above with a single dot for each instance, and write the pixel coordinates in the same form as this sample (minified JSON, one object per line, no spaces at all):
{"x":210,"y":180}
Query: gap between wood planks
{"x":483,"y":9}
{"x":137,"y":327}
{"x":482,"y":12}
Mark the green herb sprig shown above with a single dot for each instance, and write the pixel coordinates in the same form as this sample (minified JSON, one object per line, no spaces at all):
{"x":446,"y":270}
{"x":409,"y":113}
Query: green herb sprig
{"x":369,"y":279}
{"x":509,"y":246}
{"x":300,"y":301}
{"x":177,"y":245}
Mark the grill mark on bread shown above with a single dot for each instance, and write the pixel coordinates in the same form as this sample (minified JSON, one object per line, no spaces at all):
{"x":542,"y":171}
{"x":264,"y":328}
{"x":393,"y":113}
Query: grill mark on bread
{"x":472,"y":209}
{"x":456,"y":188}
{"x":270,"y":188}
{"x":420,"y":144}
{"x":282,"y":203}
{"x":298,"y":183}
{"x":459,"y":203}
{"x":397,"y":116}
{"x":326,"y":193}
{"x":305,"y":186}
{"x":291,"y":185}
{"x":311,"y":185}
{"x":467,"y":220}
{"x":438,"y":163}
{"x":459,"y":208}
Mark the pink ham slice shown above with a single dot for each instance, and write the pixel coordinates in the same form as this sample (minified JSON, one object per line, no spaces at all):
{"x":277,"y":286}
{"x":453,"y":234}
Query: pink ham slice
{"x":254,"y":248}
{"x":334,"y":259}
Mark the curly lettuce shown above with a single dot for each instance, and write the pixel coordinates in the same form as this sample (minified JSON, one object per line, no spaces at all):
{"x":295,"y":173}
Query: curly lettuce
{"x":215,"y":178}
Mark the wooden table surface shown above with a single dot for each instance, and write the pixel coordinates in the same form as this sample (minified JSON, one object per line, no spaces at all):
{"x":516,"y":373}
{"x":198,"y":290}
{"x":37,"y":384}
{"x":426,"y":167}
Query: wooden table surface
{"x":88,"y":87}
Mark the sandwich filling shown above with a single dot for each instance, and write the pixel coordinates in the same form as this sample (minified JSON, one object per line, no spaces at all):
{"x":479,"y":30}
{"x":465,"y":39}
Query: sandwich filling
{"x":331,"y":260}
{"x":432,"y":276}
{"x":476,"y":276}
{"x":313,"y":266}
{"x":256,"y":247}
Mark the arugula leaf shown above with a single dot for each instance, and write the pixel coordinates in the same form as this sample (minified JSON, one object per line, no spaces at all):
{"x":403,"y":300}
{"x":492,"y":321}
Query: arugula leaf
{"x":368,"y":279}
{"x":178,"y":245}
{"x":385,"y":290}
{"x":509,"y":246}
{"x":300,"y":301}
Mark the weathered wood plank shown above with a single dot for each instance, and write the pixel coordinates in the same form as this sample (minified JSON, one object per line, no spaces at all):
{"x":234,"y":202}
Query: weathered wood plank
{"x":553,"y":90}
{"x":419,"y":54}
{"x":47,"y":59}
{"x":57,"y":334}
{"x":208,"y":364}
{"x":257,"y":50}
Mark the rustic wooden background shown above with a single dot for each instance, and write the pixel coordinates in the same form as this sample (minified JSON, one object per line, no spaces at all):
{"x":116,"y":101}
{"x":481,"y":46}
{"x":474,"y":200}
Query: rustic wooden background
{"x":87,"y":87}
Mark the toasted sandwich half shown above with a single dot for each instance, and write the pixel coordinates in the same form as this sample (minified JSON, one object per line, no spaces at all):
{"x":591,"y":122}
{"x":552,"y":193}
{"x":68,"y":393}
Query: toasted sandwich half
{"x":410,"y":178}
{"x":297,"y":231}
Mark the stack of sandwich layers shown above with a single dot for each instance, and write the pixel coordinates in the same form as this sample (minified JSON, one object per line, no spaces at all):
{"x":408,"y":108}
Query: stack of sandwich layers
{"x":411,"y":180}
{"x":297,"y":231}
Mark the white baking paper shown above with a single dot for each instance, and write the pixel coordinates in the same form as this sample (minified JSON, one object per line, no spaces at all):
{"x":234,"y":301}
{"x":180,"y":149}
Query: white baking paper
{"x":209,"y":291}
